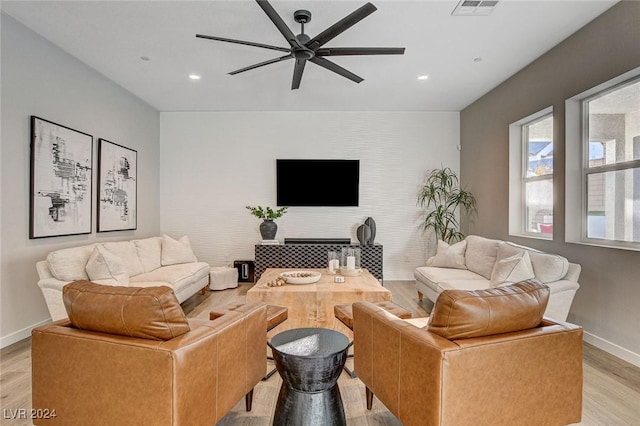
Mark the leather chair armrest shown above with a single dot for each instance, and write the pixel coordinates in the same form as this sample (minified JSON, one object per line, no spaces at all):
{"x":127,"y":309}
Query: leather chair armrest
{"x":399,"y":362}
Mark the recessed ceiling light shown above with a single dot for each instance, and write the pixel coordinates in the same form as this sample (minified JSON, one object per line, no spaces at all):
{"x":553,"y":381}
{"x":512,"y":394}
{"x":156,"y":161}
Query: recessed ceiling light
{"x":478,"y":59}
{"x":145,"y":58}
{"x":423,"y":77}
{"x":194,"y":76}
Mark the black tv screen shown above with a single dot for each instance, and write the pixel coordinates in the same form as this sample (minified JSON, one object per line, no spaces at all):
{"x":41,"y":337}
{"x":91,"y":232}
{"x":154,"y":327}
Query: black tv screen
{"x":318,"y":183}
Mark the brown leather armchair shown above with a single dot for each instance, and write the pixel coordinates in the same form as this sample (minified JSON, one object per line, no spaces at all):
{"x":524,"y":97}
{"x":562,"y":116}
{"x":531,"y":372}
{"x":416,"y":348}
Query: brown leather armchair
{"x":122,"y":359}
{"x":485,"y":358}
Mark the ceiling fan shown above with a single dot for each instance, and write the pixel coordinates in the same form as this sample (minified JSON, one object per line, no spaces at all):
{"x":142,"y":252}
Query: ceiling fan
{"x":302,"y":48}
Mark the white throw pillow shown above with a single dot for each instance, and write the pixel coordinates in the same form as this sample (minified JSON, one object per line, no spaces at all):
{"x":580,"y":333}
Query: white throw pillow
{"x":126,"y":251}
{"x":449,"y":256}
{"x":547,"y":267}
{"x":149,"y":252}
{"x":481,"y":255}
{"x":512,"y":269}
{"x":104,"y":267}
{"x":176,"y":251}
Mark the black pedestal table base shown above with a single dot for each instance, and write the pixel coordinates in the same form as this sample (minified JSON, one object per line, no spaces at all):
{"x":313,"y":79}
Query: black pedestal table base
{"x":309,"y":360}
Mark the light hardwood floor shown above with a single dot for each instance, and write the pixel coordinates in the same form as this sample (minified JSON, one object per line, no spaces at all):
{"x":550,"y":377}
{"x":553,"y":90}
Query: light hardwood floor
{"x":611,"y":393}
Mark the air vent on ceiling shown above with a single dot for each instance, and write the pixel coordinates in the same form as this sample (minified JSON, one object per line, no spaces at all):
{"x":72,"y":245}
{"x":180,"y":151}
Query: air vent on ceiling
{"x":474,"y":7}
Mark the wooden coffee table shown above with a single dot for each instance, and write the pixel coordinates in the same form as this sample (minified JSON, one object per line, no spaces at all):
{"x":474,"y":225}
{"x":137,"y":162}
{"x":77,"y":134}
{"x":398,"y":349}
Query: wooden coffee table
{"x":311,"y":305}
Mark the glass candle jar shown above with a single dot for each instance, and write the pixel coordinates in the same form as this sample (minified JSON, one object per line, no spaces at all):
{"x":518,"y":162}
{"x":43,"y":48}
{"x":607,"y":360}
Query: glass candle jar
{"x":333,"y":262}
{"x":350,"y":259}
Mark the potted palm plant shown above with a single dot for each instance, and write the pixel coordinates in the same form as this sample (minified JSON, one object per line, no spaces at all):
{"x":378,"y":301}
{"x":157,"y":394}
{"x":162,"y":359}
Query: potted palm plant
{"x":441,"y":195}
{"x":268,"y":227}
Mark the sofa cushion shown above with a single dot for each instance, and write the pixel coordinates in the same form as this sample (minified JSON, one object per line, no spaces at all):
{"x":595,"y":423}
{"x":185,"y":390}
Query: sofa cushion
{"x":547,"y":267}
{"x":175,"y":275}
{"x":176,"y":251}
{"x":459,"y":314}
{"x":69,"y":264}
{"x":475,"y":284}
{"x":432,"y":276}
{"x":149,"y":252}
{"x":449,"y":256}
{"x":104,"y":267}
{"x":481,"y":255}
{"x":511,"y":269}
{"x":126,"y":251}
{"x":147,"y":313}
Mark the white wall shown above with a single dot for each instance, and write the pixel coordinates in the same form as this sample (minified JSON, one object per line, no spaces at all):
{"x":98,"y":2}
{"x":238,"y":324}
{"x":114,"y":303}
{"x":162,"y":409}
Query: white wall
{"x":40,"y":79}
{"x":214,"y":164}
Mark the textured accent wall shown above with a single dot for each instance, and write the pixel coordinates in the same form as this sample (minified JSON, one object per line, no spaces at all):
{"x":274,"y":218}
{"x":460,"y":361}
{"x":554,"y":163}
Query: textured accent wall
{"x":214,"y":164}
{"x":40,"y":79}
{"x":607,"y":303}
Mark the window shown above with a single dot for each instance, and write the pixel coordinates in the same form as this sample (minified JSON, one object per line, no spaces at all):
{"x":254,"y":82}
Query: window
{"x":606,"y":142}
{"x":612,"y":171}
{"x":531,"y":176}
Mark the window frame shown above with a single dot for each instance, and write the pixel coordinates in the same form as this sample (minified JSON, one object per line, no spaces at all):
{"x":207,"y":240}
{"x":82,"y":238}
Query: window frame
{"x":518,"y":165}
{"x":577,"y":168}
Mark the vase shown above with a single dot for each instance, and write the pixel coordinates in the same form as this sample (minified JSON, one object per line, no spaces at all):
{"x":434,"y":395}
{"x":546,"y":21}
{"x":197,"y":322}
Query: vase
{"x":372,"y":227}
{"x":268,"y":229}
{"x":364,"y":234}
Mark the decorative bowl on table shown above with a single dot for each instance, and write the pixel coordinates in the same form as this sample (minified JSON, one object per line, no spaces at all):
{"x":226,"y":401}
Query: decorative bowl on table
{"x":301,"y":277}
{"x":350,"y":272}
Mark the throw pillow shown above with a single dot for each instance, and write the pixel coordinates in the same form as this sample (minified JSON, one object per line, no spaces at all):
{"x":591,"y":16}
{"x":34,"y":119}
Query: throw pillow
{"x":126,"y":251}
{"x":461,"y":314}
{"x":449,"y":256}
{"x":176,"y":251}
{"x":149,"y":252}
{"x":481,"y":255}
{"x":512,"y":269}
{"x":143,"y":312}
{"x":104,"y":267}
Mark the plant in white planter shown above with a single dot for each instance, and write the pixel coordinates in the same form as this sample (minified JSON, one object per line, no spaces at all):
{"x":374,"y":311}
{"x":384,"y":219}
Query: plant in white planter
{"x":268,"y":227}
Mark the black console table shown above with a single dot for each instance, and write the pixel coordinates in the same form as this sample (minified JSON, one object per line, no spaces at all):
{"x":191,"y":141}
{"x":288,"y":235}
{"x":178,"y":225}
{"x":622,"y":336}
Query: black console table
{"x":312,"y":256}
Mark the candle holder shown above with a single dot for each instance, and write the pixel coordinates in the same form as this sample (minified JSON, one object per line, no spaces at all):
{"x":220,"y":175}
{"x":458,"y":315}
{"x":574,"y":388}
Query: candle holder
{"x":350,"y":261}
{"x":333,"y":263}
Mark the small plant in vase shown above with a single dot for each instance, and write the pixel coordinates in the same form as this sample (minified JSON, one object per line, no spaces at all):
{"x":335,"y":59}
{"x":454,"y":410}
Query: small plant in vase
{"x":268,"y":227}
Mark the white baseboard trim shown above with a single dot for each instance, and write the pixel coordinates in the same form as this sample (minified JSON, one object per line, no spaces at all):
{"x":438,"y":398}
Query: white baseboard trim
{"x":612,"y":348}
{"x":16,"y":336}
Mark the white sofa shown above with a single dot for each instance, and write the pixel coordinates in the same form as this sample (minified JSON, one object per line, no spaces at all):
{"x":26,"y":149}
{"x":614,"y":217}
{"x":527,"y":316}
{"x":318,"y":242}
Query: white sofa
{"x":477,"y":263}
{"x":146,"y":262}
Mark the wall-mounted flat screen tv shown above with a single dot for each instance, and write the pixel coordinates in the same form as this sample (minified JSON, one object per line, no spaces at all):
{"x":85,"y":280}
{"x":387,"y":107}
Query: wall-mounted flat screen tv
{"x":318,"y":183}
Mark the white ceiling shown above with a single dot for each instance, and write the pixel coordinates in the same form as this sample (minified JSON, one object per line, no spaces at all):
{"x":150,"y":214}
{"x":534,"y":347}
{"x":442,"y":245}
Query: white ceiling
{"x":112,"y":36}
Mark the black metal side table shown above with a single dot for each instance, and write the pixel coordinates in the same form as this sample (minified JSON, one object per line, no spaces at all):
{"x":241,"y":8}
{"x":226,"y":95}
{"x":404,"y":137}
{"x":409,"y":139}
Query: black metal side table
{"x":309,"y":360}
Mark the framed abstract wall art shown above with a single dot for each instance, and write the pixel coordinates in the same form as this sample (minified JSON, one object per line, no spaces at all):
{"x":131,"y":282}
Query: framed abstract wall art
{"x":61,"y":180}
{"x":117,"y":187}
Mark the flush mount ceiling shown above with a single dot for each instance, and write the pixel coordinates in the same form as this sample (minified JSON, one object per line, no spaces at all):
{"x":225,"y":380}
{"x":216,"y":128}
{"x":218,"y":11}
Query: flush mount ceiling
{"x":302,"y":48}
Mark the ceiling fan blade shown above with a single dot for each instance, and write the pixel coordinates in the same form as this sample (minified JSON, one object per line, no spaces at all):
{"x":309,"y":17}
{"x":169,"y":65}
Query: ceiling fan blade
{"x":261,"y":64}
{"x":341,"y":26}
{"x":345,"y":51}
{"x":279,"y":23}
{"x":331,"y":66}
{"x":297,"y":73}
{"x":247,"y":43}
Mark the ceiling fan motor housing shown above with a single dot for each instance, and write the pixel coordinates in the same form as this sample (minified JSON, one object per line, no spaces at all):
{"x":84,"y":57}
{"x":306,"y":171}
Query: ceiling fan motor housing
{"x":302,"y":16}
